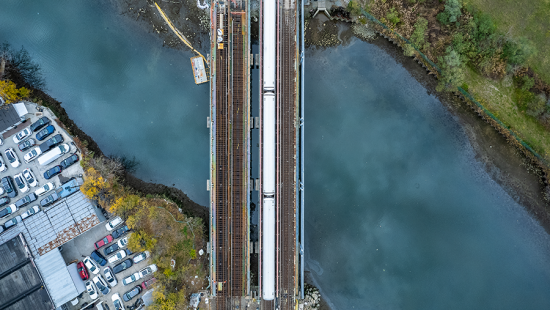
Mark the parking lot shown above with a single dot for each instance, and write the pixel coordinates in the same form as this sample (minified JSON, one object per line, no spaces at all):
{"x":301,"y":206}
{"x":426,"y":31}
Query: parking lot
{"x":83,"y":245}
{"x":38,"y":170}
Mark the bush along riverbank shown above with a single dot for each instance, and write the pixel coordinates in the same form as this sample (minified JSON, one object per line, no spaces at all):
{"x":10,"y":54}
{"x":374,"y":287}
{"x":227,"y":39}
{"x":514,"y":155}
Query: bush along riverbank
{"x":164,"y":220}
{"x":444,"y":59}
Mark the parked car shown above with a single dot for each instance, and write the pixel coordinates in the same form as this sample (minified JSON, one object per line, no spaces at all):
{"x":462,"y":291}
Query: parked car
{"x":49,"y":199}
{"x":116,"y":257}
{"x":12,"y":158}
{"x":111,"y":249}
{"x":141,"y":256}
{"x":119,"y":232}
{"x":110,"y":276}
{"x":82,"y":271}
{"x":69,"y":161}
{"x":11,"y":223}
{"x":25,"y":200}
{"x":22,"y":135}
{"x":148,"y":270}
{"x":29,"y":177}
{"x":51,"y":142}
{"x":101,"y":285}
{"x":122,"y":242}
{"x":100,"y":259}
{"x":21,"y":183}
{"x":3,"y":166}
{"x":122,"y":266}
{"x":91,"y":265}
{"x":113,"y":223}
{"x":42,"y":134}
{"x":132,"y":293}
{"x":43,"y":121}
{"x":32,"y":155}
{"x":7,"y":184}
{"x":130,"y":279}
{"x":4,"y":201}
{"x":50,"y":173}
{"x":90,"y":287}
{"x":104,"y":241}
{"x":44,"y":189}
{"x":32,"y":211}
{"x":117,"y":302}
{"x":148,"y":284}
{"x":27,"y":144}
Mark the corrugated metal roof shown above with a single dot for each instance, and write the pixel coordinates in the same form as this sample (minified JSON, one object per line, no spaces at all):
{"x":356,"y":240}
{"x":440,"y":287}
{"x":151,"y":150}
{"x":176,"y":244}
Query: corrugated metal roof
{"x":55,"y":275}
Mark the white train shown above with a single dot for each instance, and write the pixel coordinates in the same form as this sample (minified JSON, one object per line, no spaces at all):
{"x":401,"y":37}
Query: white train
{"x":268,"y":150}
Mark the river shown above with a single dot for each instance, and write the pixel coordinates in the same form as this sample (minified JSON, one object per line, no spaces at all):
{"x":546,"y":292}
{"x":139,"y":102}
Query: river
{"x":399,"y":214}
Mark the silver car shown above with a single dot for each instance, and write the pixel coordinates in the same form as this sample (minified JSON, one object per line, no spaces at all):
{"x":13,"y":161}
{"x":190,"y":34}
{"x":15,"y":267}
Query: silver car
{"x":110,"y":276}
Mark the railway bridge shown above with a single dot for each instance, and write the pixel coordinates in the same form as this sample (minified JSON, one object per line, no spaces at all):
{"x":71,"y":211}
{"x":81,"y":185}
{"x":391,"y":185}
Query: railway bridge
{"x":262,"y":270}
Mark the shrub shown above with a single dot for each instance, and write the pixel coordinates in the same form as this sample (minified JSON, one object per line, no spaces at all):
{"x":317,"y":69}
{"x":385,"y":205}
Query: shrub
{"x":393,"y":17}
{"x":518,"y":53}
{"x":452,"y":71}
{"x":354,"y":7}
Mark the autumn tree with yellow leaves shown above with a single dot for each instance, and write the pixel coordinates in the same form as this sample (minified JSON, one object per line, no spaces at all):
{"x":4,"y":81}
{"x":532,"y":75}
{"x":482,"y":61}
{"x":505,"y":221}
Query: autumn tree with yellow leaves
{"x":10,"y":92}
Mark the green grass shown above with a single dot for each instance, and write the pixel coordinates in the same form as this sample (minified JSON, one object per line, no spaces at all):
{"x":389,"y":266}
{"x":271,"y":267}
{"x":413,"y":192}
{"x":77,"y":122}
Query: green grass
{"x":527,"y":18}
{"x":496,"y":96}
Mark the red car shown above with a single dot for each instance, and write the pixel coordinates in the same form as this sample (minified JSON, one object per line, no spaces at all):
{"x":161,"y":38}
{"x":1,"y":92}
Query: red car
{"x":147,"y":284}
{"x":82,"y":271}
{"x":103,"y":241}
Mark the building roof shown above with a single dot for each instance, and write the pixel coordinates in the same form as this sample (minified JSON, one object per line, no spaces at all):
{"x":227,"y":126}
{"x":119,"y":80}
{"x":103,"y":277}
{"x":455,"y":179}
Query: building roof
{"x":8,"y":117}
{"x":21,"y":287}
{"x":56,"y":225}
{"x":20,"y":108}
{"x":57,"y":278}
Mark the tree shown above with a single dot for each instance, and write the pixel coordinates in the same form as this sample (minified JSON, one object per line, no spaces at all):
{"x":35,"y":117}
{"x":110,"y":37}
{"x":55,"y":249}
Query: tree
{"x":354,"y":7}
{"x":451,"y":13}
{"x":393,"y":17}
{"x":452,"y":72}
{"x":11,"y":93}
{"x":518,"y":53}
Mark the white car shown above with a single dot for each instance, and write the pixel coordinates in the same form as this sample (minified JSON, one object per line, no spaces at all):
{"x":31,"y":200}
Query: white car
{"x":147,"y":271}
{"x":117,"y":302}
{"x":22,"y":135}
{"x":131,"y":278}
{"x":90,"y":287}
{"x":3,"y":166}
{"x":12,"y":158}
{"x":121,"y":242}
{"x":29,"y":177}
{"x":110,"y":276}
{"x":32,"y":211}
{"x":141,"y":256}
{"x":21,"y":183}
{"x":91,"y":265}
{"x":32,"y":155}
{"x":113,"y":223}
{"x":116,"y":257}
{"x":44,"y":189}
{"x":101,"y":285}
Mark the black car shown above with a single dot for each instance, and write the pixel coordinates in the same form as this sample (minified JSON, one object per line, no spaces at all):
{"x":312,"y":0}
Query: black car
{"x":51,"y":142}
{"x":9,"y":224}
{"x":25,"y":200}
{"x":4,"y":201}
{"x":25,"y":145}
{"x":132,"y":293}
{"x":69,"y":161}
{"x":50,"y":173}
{"x":119,"y":232}
{"x":43,"y":121}
{"x":110,"y":249}
{"x":100,"y":259}
{"x":7,"y":184}
{"x":123,"y":266}
{"x":49,"y":199}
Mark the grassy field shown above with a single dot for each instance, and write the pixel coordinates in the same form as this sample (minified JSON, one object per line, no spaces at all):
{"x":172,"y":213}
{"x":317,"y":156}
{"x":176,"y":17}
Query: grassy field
{"x":496,"y":96}
{"x":530,"y":19}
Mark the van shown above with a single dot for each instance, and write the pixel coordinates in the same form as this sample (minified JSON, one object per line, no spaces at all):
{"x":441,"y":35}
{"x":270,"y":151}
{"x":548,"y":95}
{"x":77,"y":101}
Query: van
{"x":54,"y":154}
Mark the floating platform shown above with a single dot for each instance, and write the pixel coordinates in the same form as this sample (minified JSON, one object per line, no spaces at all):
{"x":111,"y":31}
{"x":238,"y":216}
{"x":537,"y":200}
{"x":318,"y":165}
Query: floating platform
{"x":199,"y":71}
